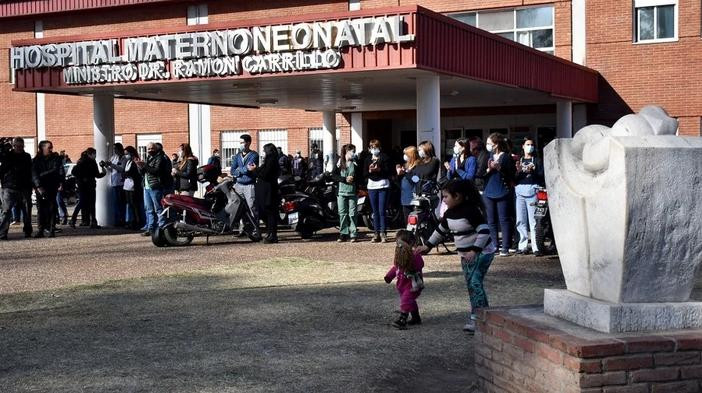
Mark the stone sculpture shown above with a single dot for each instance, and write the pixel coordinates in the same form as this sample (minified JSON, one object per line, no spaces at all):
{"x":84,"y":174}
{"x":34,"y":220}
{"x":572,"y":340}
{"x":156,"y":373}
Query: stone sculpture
{"x":626,"y":208}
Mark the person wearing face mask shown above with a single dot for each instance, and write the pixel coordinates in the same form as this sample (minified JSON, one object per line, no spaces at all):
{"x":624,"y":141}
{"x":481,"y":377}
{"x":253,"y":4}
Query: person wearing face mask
{"x":243,"y":169}
{"x":156,"y":171}
{"x":85,"y":173}
{"x":185,"y":174}
{"x":378,"y":170}
{"x":267,"y":191}
{"x":429,"y":166}
{"x":477,"y":149}
{"x":530,"y":175}
{"x":405,"y":173}
{"x":498,"y":190}
{"x":132,"y":189}
{"x":48,"y":176}
{"x":299,"y":167}
{"x":345,"y":173}
{"x":316,"y":162}
{"x":116,"y":169}
{"x":463,"y":164}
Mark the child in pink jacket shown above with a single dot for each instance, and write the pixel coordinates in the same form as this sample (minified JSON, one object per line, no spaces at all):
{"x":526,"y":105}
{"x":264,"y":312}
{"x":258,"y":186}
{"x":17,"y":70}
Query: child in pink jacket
{"x":407,"y":267}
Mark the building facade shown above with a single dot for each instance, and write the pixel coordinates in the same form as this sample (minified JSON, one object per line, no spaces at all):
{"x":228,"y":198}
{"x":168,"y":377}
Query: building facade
{"x":645,"y":51}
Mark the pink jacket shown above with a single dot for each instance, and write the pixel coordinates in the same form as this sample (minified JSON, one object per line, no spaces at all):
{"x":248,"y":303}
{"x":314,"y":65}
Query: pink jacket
{"x":404,"y":284}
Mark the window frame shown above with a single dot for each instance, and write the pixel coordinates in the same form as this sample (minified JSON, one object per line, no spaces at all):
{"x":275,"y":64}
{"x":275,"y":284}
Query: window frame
{"x":655,"y":4}
{"x":515,"y":30}
{"x":227,"y":158}
{"x":147,"y":138}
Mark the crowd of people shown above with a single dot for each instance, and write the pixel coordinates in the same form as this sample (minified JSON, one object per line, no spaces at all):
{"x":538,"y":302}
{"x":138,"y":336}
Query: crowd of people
{"x":488,"y":194}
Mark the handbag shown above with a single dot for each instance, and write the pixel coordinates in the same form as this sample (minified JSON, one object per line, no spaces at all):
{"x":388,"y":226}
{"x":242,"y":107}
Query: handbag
{"x":128,"y":184}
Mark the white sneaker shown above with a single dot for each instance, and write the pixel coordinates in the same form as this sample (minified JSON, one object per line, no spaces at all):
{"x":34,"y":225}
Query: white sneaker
{"x":470,"y":326}
{"x":14,"y":223}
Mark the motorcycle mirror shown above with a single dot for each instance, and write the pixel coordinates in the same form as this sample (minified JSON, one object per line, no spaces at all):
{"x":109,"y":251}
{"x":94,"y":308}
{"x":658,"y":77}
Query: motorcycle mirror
{"x":415,"y":179}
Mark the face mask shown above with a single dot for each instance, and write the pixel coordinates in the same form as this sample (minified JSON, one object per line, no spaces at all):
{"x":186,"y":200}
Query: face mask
{"x":128,"y":156}
{"x":216,"y":154}
{"x":406,"y":158}
{"x":180,"y":154}
{"x":152,"y":152}
{"x":297,"y":155}
{"x":316,"y":156}
{"x":349,"y":156}
{"x":422,"y":154}
{"x":375,"y":151}
{"x":457,"y":150}
{"x":529,"y":149}
{"x":490,"y":148}
{"x":243,"y":146}
{"x":263,"y":154}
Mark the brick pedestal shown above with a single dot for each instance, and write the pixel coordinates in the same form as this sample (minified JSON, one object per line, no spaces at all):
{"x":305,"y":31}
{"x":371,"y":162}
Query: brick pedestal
{"x":523,"y":350}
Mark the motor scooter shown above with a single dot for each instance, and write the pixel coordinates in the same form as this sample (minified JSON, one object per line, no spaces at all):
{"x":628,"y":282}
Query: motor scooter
{"x":313,"y":209}
{"x":422,"y":220}
{"x":214,"y":215}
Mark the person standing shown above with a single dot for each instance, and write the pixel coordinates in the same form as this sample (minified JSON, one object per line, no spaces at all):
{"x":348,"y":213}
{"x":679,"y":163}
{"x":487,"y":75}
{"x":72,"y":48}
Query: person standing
{"x":156,"y":171}
{"x":116,"y":169}
{"x":498,"y":190}
{"x":378,"y":170}
{"x":477,"y":149}
{"x":243,"y":169}
{"x":347,"y":201}
{"x":216,"y":161}
{"x":16,"y":180}
{"x":86,"y":172}
{"x":267,"y":191}
{"x":299,"y":167}
{"x":406,"y":172}
{"x":463,"y":164}
{"x":133,"y":194}
{"x":185,"y":174}
{"x":530,"y":175}
{"x":47,"y":175}
{"x":316,"y":162}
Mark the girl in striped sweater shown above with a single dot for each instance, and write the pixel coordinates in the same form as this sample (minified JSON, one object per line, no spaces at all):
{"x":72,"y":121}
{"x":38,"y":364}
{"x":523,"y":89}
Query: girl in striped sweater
{"x":465,"y":219}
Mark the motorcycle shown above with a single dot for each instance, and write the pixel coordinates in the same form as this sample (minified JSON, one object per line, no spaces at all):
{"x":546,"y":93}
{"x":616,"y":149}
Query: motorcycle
{"x":214,"y":215}
{"x":543,"y":228}
{"x":313,"y":209}
{"x":422,"y":220}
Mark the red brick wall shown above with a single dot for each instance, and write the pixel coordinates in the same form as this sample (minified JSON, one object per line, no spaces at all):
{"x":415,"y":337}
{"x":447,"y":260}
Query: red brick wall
{"x":17,"y":116}
{"x":664,"y":74}
{"x":516,"y":355}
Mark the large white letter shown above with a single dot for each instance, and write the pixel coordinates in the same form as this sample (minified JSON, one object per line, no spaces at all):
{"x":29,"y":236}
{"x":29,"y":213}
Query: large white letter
{"x":304,"y":30}
{"x":262,"y":39}
{"x":281,"y":38}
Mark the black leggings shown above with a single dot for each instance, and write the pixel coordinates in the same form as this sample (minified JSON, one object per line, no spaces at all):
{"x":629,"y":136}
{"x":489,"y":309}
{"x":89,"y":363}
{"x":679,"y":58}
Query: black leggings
{"x":47,"y":210}
{"x":86,"y":204}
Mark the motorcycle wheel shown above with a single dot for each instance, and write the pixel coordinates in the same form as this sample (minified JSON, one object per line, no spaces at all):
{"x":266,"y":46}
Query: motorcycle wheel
{"x":542,"y":228}
{"x":158,"y":238}
{"x":170,"y":234}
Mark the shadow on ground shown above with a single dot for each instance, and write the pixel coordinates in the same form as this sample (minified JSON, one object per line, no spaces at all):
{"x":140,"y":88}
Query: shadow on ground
{"x":204,"y":333}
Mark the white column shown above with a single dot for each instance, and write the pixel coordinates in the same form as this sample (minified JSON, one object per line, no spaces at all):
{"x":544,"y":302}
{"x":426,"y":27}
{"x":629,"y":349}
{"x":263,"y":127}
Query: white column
{"x":579,"y":117}
{"x":564,"y":119}
{"x":199,"y":124}
{"x":103,"y":140}
{"x":329,"y":126}
{"x":578,"y":31}
{"x":40,"y":97}
{"x":429,"y":111}
{"x":357,"y":130}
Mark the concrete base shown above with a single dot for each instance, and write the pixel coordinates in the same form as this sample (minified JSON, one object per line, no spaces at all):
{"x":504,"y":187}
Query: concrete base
{"x":623,"y":317}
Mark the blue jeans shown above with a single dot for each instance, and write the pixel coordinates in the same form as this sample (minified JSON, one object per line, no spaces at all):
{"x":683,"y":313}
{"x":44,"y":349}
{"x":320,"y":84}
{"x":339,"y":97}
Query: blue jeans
{"x":379,"y":201}
{"x":498,"y":210}
{"x":152,"y":204}
{"x":526,"y":198}
{"x":63,"y":212}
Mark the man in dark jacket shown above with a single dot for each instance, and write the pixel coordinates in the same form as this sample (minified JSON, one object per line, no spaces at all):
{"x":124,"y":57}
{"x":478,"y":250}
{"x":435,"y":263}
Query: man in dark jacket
{"x":47,"y":175}
{"x":156,"y":171}
{"x":16,"y":179}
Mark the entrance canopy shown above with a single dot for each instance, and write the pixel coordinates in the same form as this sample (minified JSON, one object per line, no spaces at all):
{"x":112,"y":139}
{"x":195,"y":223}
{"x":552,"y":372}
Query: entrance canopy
{"x":346,"y":62}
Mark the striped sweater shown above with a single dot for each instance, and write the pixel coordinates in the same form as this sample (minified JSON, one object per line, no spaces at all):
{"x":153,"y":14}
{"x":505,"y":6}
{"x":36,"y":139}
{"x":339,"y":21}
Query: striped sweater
{"x":468,"y":227}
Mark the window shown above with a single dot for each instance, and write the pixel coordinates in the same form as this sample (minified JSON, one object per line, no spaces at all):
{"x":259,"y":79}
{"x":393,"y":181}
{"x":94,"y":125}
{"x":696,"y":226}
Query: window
{"x":277,"y":137}
{"x":230,"y":143}
{"x":529,"y":26}
{"x":145,"y":139}
{"x":118,"y":139}
{"x":317,"y":137}
{"x":655,"y":20}
{"x":29,"y":146}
